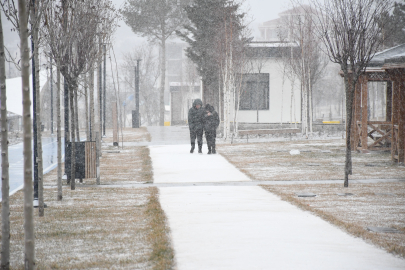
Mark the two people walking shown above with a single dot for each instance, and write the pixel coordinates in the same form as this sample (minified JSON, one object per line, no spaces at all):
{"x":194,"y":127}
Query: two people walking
{"x":203,"y":118}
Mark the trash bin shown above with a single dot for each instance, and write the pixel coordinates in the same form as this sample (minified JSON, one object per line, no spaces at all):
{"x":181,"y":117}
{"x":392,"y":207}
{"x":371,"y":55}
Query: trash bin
{"x":85,"y":160}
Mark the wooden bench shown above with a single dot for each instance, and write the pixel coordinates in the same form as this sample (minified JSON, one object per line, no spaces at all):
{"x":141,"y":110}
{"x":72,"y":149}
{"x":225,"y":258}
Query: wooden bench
{"x":268,"y":131}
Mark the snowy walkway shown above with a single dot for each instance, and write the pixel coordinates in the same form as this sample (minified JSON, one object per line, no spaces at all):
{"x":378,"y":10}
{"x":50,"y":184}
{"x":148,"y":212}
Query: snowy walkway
{"x":246,"y":227}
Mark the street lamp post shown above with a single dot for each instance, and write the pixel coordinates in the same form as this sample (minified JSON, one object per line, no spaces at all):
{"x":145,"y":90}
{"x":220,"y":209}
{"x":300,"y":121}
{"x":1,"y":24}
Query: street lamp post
{"x":51,"y":96}
{"x":137,"y":92}
{"x":104,"y":90}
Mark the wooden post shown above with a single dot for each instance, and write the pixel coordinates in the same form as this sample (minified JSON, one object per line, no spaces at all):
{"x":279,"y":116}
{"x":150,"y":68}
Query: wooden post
{"x":388,"y":110}
{"x":115,"y":123}
{"x":401,"y":117}
{"x":364,"y":112}
{"x":395,"y":99}
{"x":98,"y":150}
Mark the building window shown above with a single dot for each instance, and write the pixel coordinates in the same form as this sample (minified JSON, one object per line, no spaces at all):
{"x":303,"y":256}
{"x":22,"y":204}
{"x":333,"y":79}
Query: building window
{"x":255,"y":92}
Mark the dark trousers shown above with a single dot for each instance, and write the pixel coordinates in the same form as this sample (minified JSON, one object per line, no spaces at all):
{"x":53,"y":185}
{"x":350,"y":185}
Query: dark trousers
{"x":196,"y":134}
{"x":210,"y":136}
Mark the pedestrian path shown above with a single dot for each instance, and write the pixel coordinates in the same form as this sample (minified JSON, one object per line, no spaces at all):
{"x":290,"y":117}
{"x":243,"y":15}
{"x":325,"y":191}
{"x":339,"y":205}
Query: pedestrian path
{"x":246,"y":227}
{"x":175,"y":164}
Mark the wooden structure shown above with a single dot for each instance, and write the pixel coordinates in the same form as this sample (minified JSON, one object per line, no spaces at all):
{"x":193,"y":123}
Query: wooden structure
{"x":387,"y":66}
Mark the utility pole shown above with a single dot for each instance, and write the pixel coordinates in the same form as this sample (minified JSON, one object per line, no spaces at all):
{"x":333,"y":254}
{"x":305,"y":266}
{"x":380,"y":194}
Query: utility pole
{"x":104,"y":92}
{"x":51,"y":96}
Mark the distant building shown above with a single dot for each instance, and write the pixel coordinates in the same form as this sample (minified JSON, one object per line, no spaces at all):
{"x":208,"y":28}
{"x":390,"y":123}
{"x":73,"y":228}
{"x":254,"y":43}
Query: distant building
{"x":14,"y":100}
{"x":273,"y":29}
{"x":182,"y":84}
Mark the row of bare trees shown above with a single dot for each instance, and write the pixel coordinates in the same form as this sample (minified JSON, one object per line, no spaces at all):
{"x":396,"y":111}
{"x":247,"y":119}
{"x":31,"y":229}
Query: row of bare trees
{"x":72,"y":32}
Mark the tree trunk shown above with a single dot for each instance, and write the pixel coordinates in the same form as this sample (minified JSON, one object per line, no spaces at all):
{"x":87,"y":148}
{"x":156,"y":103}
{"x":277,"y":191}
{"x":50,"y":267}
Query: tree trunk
{"x":58,"y":135}
{"x":86,"y":106}
{"x":29,"y":250}
{"x":350,"y":88}
{"x":91,"y":90}
{"x":39,"y":123}
{"x":310,"y":101}
{"x":100,"y":95}
{"x":76,"y":116}
{"x":5,"y":186}
{"x":162,"y":82}
{"x":66,"y":119}
{"x":73,"y":144}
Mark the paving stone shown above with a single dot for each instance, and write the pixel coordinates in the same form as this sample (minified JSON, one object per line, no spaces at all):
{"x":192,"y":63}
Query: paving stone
{"x":338,"y":164}
{"x":383,"y":230}
{"x":372,"y":165}
{"x":305,"y":194}
{"x":384,"y":194}
{"x":284,"y":164}
{"x":345,"y":194}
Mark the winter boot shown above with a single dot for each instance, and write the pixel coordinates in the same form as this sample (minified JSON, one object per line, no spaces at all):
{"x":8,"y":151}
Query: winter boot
{"x":213,"y":150}
{"x":209,"y":150}
{"x":199,"y":149}
{"x":192,"y":148}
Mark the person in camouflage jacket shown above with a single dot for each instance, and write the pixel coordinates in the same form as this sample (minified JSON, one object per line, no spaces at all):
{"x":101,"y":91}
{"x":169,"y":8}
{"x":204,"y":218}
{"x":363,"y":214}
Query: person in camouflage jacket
{"x":211,"y":123}
{"x":195,"y":124}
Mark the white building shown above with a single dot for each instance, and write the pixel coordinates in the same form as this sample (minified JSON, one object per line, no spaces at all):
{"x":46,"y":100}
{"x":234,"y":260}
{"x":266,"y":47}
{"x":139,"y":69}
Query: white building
{"x":268,"y":96}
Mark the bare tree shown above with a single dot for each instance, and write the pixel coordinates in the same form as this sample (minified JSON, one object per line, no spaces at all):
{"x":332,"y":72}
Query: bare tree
{"x":72,"y":31}
{"x":5,"y":186}
{"x":149,"y":75}
{"x":351,"y":32}
{"x":158,"y":20}
{"x":29,"y":260}
{"x":232,"y":40}
{"x":305,"y":60}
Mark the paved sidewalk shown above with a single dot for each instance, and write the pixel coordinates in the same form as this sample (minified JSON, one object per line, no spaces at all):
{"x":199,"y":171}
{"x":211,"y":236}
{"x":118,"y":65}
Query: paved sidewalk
{"x":246,"y":227}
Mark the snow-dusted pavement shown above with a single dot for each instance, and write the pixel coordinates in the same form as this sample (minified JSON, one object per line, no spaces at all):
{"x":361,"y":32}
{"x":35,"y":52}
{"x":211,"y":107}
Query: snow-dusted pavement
{"x":246,"y":227}
{"x":175,"y":164}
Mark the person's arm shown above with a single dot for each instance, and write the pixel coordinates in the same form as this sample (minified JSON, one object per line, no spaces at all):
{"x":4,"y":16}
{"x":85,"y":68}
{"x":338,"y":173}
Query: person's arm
{"x":216,"y":120}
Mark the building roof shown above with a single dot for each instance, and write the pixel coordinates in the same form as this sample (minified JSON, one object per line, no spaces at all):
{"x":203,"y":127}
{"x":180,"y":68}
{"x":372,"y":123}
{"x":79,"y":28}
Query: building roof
{"x":394,"y":55}
{"x":14,"y":92}
{"x":296,"y":10}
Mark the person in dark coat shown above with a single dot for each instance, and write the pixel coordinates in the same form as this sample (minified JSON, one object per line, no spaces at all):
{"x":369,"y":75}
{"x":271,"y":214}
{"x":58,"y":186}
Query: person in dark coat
{"x":211,"y":123}
{"x":195,"y":124}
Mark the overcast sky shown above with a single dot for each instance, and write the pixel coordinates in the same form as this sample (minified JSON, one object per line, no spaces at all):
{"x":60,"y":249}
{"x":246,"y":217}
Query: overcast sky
{"x":259,"y":10}
{"x":124,"y":39}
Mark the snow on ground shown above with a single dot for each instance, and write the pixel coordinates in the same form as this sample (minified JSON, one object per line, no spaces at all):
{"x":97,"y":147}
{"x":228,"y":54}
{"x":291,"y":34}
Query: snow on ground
{"x":249,"y":228}
{"x":229,"y":227}
{"x":175,"y":164}
{"x":318,"y":160}
{"x":369,"y":205}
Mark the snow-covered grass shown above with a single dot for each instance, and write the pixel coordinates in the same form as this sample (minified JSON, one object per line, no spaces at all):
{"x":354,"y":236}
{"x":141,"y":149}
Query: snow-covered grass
{"x":318,"y":160}
{"x":375,"y":205}
{"x":130,"y":135}
{"x":99,"y":228}
{"x":131,"y":165}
